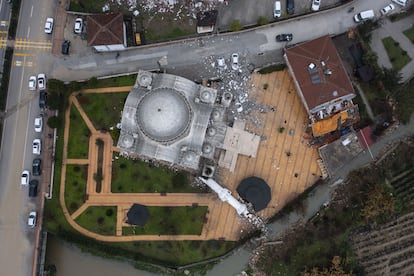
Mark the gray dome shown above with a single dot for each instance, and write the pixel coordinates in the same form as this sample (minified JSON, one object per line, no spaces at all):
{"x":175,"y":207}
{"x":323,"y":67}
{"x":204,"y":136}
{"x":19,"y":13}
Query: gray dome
{"x":163,"y":115}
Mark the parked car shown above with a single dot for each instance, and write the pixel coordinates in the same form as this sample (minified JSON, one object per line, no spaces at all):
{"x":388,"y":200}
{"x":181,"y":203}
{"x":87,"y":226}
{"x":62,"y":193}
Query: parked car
{"x":364,"y":15}
{"x":65,"y":47}
{"x":42,"y":99}
{"x":284,"y":37}
{"x":277,"y":9}
{"x":38,"y":124}
{"x":235,"y":61}
{"x":37,"y":167}
{"x":37,"y":146}
{"x":32,"y":83}
{"x":387,"y":9}
{"x":31,"y":221}
{"x":221,"y":62}
{"x":41,"y":81}
{"x":78,"y":25}
{"x":400,"y":2}
{"x":49,"y":25}
{"x":25,"y":177}
{"x":33,"y":187}
{"x":290,"y":7}
{"x":315,"y":5}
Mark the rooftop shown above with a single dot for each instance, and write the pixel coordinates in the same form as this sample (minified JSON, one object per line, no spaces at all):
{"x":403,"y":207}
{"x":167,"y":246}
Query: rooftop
{"x":105,"y":29}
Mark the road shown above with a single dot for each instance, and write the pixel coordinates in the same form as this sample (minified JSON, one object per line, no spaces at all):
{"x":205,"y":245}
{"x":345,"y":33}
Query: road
{"x":16,"y":239}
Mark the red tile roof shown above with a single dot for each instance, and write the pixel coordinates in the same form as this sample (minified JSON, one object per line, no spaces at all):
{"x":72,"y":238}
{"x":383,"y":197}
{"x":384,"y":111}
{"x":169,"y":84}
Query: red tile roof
{"x":105,"y":29}
{"x":316,"y":86}
{"x":365,"y":137}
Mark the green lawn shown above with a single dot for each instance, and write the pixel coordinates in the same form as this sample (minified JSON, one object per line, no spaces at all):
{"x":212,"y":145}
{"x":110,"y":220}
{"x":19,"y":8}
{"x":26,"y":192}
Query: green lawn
{"x":135,"y":176}
{"x":104,"y":109}
{"x":75,"y":186}
{"x":127,"y":80}
{"x":99,"y":219}
{"x":184,"y":220}
{"x":78,"y":144}
{"x":410,"y":34}
{"x":94,"y":6}
{"x":398,"y":57}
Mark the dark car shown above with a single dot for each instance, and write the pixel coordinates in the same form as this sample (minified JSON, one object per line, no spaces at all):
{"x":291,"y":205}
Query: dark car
{"x":284,"y":37}
{"x":33,"y":188}
{"x":37,"y":167}
{"x":42,"y":99}
{"x":65,"y":47}
{"x":290,"y":7}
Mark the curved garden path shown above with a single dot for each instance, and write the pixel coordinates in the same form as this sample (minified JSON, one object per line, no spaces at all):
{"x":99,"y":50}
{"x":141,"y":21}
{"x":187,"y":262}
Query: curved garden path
{"x":222,"y":221}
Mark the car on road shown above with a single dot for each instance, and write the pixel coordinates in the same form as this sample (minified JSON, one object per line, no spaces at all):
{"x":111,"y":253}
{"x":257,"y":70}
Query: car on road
{"x":41,"y":81}
{"x":235,"y":61}
{"x":65,"y":47}
{"x":277,"y":10}
{"x":49,"y":25}
{"x":37,"y":146}
{"x":290,"y":7}
{"x":25,"y":179}
{"x":38,"y":124}
{"x":31,"y":221}
{"x":221,"y":63}
{"x":32,"y":83}
{"x":284,"y":37}
{"x":37,"y":167}
{"x":33,"y":187}
{"x":315,"y":5}
{"x":364,"y":15}
{"x":386,"y":10}
{"x":42,"y":99}
{"x":78,"y":25}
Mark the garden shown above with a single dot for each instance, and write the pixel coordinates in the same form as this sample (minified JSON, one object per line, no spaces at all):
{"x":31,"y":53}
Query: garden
{"x":163,"y":221}
{"x":398,"y":56}
{"x":99,"y":219}
{"x":75,"y":187}
{"x":79,"y":133}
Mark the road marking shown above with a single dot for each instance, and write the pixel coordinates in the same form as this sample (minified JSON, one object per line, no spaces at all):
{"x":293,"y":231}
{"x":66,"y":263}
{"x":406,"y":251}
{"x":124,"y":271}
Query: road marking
{"x":28,"y":31}
{"x":31,"y":12}
{"x":24,"y":63}
{"x":3,"y":32}
{"x":4,"y":23}
{"x":25,"y":55}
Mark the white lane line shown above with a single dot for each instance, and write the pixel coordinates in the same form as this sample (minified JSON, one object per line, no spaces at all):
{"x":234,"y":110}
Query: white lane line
{"x":28,"y":32}
{"x":28,"y":123}
{"x":31,"y":12}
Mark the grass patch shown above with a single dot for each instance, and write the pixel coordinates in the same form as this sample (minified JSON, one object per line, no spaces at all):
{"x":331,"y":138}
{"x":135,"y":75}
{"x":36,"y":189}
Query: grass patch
{"x":103,"y":109}
{"x":184,"y":220}
{"x":75,"y":186}
{"x":398,"y":57}
{"x":405,"y":100}
{"x":272,"y":68}
{"x":78,"y":144}
{"x":99,"y":219}
{"x":410,"y":34}
{"x":126,"y":80}
{"x":135,"y":176}
{"x":94,"y":6}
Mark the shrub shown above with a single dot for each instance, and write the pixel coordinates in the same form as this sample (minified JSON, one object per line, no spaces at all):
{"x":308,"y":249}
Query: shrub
{"x":109,"y":212}
{"x":235,"y":26}
{"x":53,"y":122}
{"x":265,"y":86}
{"x":281,"y":129}
{"x":262,"y":21}
{"x":272,"y":68}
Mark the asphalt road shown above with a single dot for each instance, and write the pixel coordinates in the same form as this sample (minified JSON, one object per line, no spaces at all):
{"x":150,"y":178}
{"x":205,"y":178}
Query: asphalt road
{"x":16,"y":239}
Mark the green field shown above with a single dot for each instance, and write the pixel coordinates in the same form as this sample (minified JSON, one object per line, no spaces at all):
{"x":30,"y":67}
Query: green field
{"x":398,"y":57}
{"x":99,"y":219}
{"x":78,"y":144}
{"x":75,"y":186}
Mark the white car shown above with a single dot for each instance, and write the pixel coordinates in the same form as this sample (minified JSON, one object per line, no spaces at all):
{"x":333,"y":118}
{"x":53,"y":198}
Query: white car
{"x":41,"y":81}
{"x":221,"y":62}
{"x":32,"y":83}
{"x":78,"y":25}
{"x":38,"y":124}
{"x":387,"y":9}
{"x":31,"y":221}
{"x":315,"y":5}
{"x":37,"y":146}
{"x":49,"y":25}
{"x":235,"y":61}
{"x":25,"y":177}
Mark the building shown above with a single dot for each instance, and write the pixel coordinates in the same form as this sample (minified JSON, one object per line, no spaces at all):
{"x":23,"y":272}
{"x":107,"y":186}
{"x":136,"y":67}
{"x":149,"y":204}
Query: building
{"x":206,"y":21}
{"x":323,"y":85}
{"x":107,"y":32}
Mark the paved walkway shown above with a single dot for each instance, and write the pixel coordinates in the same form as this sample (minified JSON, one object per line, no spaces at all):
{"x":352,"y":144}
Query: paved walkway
{"x":394,"y":30}
{"x":222,"y":221}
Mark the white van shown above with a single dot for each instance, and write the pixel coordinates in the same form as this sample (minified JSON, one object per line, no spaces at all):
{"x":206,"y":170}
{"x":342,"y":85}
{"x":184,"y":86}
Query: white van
{"x":277,"y":10}
{"x":364,"y":15}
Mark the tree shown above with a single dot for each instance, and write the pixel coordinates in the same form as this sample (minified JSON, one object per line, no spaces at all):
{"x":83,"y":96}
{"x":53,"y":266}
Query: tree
{"x":336,"y":269}
{"x":53,"y":122}
{"x":391,"y":79}
{"x":379,"y":202}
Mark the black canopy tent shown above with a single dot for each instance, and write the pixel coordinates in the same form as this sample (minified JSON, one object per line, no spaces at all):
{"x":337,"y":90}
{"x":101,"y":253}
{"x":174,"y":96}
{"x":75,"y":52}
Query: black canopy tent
{"x":138,"y":215}
{"x":256,"y":191}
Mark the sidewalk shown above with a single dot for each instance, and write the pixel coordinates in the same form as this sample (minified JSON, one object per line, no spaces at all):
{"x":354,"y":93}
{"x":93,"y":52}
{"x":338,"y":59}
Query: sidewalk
{"x":394,"y":30}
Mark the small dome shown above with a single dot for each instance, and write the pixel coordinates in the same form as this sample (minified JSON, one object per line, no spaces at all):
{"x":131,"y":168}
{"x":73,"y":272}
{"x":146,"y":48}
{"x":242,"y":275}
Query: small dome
{"x":205,"y":96}
{"x":207,"y":148}
{"x":127,"y":141}
{"x":216,"y":115}
{"x":189,"y":156}
{"x":211,"y":131}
